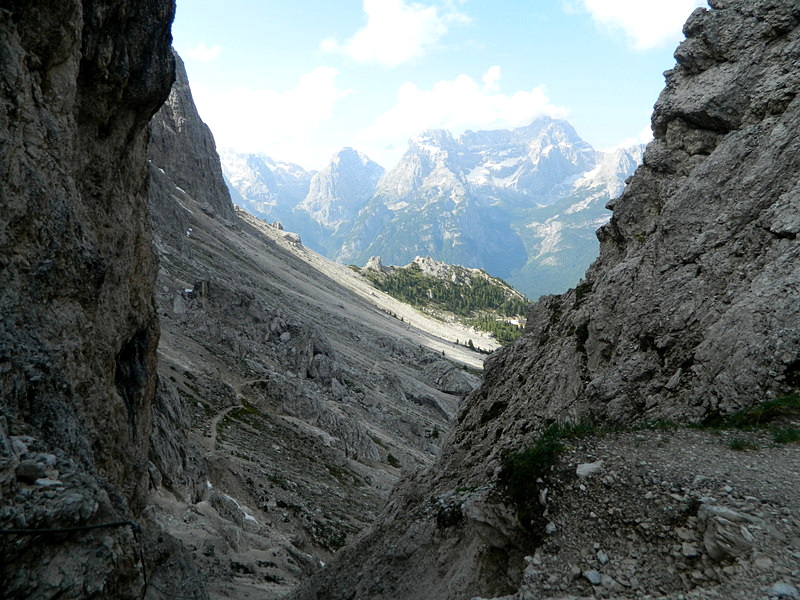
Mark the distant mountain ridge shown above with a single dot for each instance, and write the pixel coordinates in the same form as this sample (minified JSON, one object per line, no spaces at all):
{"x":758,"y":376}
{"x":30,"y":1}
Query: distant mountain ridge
{"x":523,"y":204}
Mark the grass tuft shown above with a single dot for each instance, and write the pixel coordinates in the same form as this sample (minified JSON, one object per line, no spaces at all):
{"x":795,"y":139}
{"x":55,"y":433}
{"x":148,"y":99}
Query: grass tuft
{"x":741,"y":444}
{"x":522,"y":472}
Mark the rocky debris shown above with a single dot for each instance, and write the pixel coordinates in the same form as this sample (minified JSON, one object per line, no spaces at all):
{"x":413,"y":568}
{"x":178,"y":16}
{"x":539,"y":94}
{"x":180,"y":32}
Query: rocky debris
{"x":688,"y":313}
{"x":677,"y":513}
{"x":84,"y":522}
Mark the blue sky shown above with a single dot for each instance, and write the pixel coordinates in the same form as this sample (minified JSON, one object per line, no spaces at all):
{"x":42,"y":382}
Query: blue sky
{"x":300,"y":79}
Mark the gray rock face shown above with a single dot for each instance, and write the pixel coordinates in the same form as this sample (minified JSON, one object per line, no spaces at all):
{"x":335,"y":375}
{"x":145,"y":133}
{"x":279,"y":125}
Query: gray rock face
{"x":78,"y":83}
{"x":77,"y":266}
{"x":690,"y":311}
{"x":182,"y":145}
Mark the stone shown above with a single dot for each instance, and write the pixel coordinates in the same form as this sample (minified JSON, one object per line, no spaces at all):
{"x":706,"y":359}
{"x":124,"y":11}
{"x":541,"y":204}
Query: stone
{"x":689,"y":550}
{"x":725,"y":534}
{"x":593,"y":577}
{"x":783,"y":590}
{"x":47,"y":482}
{"x":29,"y":470}
{"x":588,"y":469}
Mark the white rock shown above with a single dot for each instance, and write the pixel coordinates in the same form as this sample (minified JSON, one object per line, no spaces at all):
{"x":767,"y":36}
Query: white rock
{"x":586,"y":469}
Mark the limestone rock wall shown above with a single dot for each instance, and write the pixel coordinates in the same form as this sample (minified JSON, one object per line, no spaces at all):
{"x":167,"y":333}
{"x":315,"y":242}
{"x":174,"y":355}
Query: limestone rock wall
{"x":182,"y":145}
{"x":691,"y":310}
{"x":79,"y":81}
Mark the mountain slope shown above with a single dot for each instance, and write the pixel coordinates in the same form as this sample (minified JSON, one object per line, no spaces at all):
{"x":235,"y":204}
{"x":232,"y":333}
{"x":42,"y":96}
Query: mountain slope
{"x":690,"y":313}
{"x":306,"y":392}
{"x":452,"y":292}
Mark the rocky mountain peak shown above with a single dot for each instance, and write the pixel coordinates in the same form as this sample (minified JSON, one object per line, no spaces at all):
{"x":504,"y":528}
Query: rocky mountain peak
{"x":194,"y":170}
{"x":341,"y":189}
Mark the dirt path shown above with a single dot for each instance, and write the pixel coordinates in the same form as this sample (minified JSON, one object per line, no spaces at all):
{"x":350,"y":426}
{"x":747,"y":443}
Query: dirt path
{"x":211,"y":441}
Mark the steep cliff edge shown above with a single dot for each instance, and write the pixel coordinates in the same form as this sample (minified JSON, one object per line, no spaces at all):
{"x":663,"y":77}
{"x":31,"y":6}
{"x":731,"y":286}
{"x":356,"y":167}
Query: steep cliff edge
{"x":79,"y":82}
{"x":689,"y":313}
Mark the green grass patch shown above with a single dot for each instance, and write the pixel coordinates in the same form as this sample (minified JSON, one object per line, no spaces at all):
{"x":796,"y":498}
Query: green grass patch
{"x":767,"y":416}
{"x":786,"y":436}
{"x":765,"y":413}
{"x":522,"y":473}
{"x":741,"y":444}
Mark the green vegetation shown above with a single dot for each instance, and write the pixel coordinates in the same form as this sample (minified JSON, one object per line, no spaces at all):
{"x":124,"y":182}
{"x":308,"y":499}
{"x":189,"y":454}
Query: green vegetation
{"x":481,"y":301}
{"x":767,"y":416}
{"x":503,"y":331}
{"x":786,"y":436}
{"x":392,"y":460}
{"x":522,"y":473}
{"x":743,"y":443}
{"x":760,"y":414}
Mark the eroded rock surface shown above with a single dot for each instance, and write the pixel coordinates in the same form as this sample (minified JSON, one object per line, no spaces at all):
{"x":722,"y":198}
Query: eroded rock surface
{"x":79,"y":82}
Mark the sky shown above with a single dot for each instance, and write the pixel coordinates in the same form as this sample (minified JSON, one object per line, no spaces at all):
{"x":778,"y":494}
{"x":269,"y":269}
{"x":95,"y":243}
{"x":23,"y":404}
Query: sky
{"x":298,"y":80}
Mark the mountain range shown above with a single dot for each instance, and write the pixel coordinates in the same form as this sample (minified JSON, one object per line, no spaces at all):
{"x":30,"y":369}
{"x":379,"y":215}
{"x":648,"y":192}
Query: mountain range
{"x":522,"y":204}
{"x":195,"y":405}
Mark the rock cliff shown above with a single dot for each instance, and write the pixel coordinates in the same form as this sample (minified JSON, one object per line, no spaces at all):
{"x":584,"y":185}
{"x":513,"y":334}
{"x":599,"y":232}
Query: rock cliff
{"x":79,"y":82}
{"x":690,"y":313}
{"x":182,"y":144}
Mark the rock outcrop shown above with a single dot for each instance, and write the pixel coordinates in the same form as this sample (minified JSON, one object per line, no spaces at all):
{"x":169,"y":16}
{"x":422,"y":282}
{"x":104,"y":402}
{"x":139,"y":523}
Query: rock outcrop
{"x":182,"y":144}
{"x":690,"y":313}
{"x":79,"y":82}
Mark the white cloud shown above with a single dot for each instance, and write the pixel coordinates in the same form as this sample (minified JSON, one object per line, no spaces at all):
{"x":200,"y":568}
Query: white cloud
{"x":396,"y":32}
{"x":202,"y":53}
{"x":647,"y":24}
{"x":491,"y":80}
{"x":283,"y":125}
{"x":645,"y":137}
{"x":457,"y":105}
